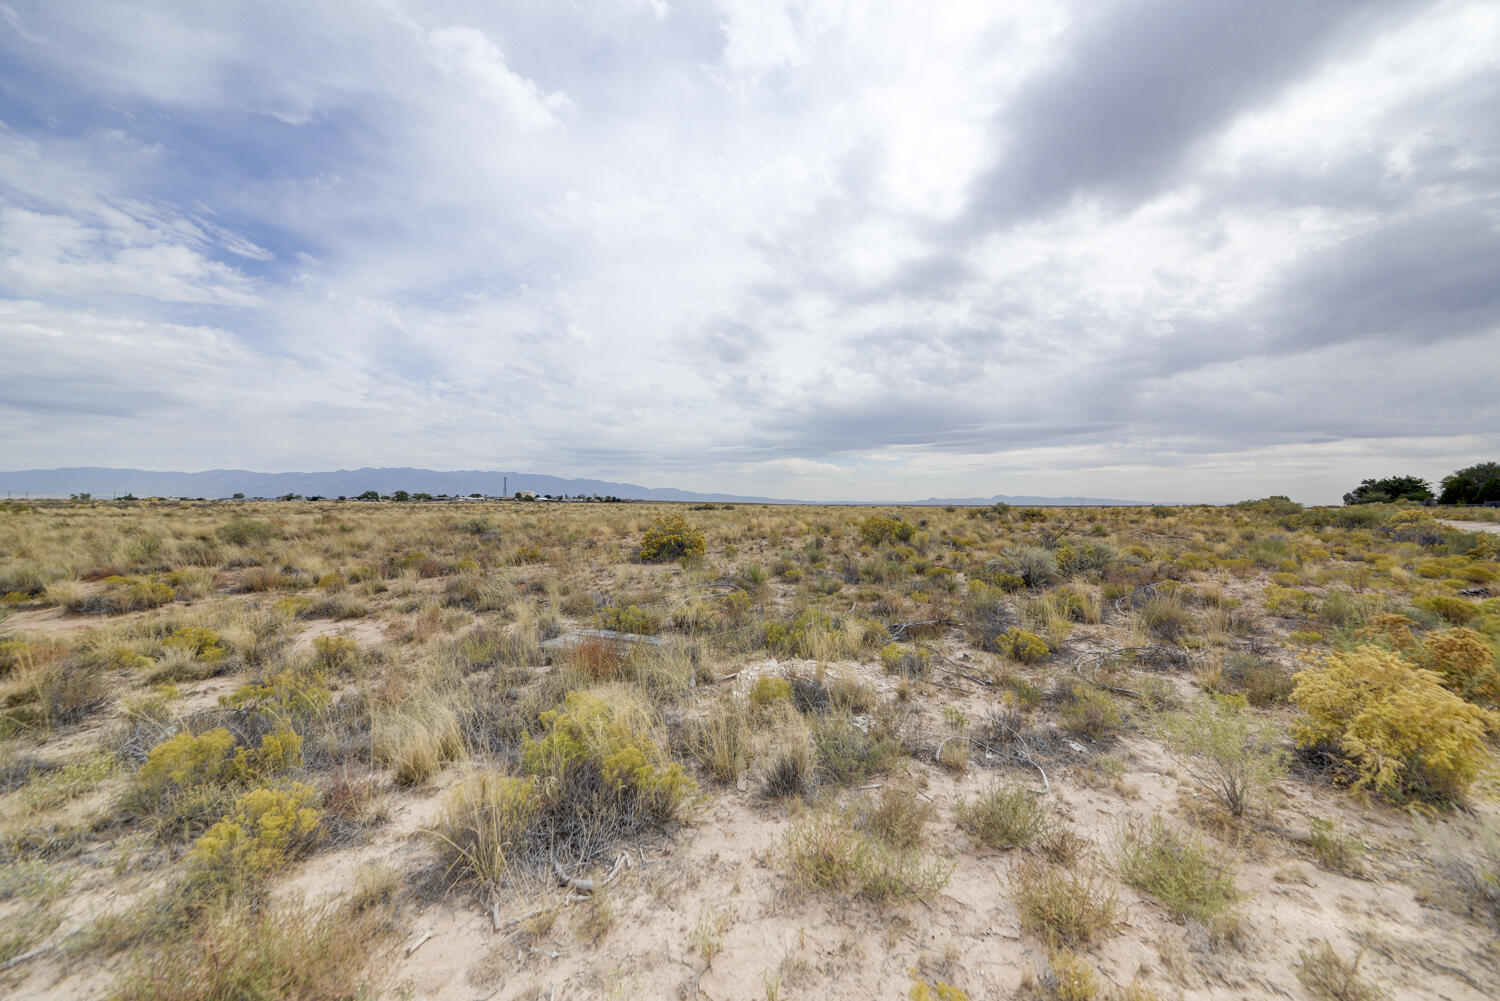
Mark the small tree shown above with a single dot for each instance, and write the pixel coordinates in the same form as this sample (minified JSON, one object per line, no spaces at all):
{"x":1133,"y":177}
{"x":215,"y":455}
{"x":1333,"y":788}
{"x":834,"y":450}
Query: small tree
{"x":369,"y":495}
{"x":1389,"y":490}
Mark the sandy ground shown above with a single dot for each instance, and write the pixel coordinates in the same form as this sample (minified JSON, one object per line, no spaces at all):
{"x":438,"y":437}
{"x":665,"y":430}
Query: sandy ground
{"x":1474,"y":526}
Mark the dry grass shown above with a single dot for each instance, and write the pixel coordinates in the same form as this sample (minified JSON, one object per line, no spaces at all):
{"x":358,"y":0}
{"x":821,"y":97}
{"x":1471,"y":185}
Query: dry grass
{"x":888,"y":639}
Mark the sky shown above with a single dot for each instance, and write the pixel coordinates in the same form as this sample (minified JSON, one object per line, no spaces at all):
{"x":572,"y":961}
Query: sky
{"x":1196,"y":250}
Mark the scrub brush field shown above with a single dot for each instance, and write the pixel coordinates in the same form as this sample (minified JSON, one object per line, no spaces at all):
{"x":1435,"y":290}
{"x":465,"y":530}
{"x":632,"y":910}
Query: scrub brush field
{"x":518,"y":750}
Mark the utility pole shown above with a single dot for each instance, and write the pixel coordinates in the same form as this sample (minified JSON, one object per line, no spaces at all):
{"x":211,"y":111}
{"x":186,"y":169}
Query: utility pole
{"x":505,"y":486}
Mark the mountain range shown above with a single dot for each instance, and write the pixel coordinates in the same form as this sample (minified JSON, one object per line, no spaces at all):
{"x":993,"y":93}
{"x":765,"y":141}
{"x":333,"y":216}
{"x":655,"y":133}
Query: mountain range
{"x":106,"y":483}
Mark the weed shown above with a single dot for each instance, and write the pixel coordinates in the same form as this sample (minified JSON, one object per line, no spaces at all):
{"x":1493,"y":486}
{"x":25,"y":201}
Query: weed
{"x":254,"y":953}
{"x":485,"y":822}
{"x":1165,"y":617}
{"x":707,"y":938}
{"x":1004,"y":816}
{"x":828,"y":852}
{"x":1335,"y":850}
{"x":898,"y":817}
{"x":1072,"y":907}
{"x":788,"y":769}
{"x":1328,"y":977}
{"x":1178,"y":870}
{"x":1071,"y":977}
{"x":720,"y":740}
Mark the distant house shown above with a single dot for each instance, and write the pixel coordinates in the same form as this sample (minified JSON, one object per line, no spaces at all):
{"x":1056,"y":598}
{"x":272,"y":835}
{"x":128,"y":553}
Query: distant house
{"x":526,"y":495}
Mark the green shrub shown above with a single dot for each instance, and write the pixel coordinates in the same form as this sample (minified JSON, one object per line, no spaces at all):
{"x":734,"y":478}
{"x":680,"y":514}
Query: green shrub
{"x":1177,"y":870}
{"x":334,"y":653}
{"x":631,"y":619}
{"x":213,"y":758}
{"x":770,"y":690}
{"x":1261,"y":681}
{"x":1073,"y":907}
{"x":905,"y":659}
{"x":807,"y":632}
{"x":935,"y":991}
{"x":1453,"y":610}
{"x":670,"y":538}
{"x":1004,"y":816}
{"x":1220,"y":745}
{"x":1466,"y":663}
{"x":618,"y":740}
{"x":289,"y":692}
{"x":848,"y":754}
{"x":1089,"y":712}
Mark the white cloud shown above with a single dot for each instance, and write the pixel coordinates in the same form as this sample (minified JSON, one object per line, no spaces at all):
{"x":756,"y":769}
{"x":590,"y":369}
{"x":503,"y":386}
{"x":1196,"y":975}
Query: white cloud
{"x":741,"y":247}
{"x":469,"y":56}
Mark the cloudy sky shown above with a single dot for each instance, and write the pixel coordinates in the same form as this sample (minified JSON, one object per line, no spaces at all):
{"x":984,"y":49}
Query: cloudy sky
{"x":1164,"y":249}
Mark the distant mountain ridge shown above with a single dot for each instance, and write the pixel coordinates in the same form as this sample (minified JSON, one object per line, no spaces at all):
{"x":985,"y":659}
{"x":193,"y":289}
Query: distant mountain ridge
{"x":104,"y":483}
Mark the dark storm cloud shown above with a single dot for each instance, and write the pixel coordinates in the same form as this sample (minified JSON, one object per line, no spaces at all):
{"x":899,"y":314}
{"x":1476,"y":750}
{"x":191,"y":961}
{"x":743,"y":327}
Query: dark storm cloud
{"x":1418,"y":280}
{"x":1138,"y":85}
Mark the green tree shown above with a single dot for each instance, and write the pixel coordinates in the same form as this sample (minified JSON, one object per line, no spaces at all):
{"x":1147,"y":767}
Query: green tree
{"x":1389,"y":490}
{"x":369,"y":495}
{"x":1463,"y":486}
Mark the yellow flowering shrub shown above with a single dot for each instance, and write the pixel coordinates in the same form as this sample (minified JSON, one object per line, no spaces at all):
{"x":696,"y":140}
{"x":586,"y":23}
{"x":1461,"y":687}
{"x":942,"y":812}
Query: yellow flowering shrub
{"x":618,"y":739}
{"x":265,"y":830}
{"x":1028,"y":648}
{"x":1466,"y":663}
{"x":670,"y":537}
{"x":213,"y":758}
{"x":203,"y":644}
{"x":1405,"y":734}
{"x":287,"y":692}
